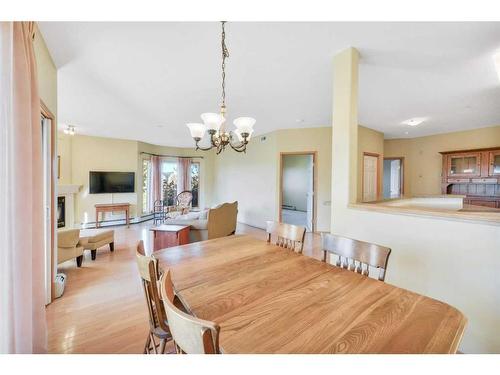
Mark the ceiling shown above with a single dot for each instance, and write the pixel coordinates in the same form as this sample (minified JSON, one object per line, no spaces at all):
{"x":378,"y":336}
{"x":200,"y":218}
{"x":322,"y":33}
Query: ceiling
{"x":145,"y":81}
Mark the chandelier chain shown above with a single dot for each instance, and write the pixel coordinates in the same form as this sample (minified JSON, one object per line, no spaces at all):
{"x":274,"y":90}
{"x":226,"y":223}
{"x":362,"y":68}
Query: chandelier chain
{"x":225,"y":54}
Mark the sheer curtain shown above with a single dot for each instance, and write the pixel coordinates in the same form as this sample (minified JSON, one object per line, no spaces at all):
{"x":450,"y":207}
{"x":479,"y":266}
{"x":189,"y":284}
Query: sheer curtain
{"x":183,"y":174}
{"x":22,"y":308}
{"x":155,"y":180}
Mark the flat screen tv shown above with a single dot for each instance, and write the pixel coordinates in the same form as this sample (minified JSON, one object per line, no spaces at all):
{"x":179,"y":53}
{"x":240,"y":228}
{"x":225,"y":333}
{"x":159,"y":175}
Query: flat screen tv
{"x":111,"y":182}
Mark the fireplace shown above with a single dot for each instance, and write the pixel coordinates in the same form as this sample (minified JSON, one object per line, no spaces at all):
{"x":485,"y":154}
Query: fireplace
{"x":61,"y":212}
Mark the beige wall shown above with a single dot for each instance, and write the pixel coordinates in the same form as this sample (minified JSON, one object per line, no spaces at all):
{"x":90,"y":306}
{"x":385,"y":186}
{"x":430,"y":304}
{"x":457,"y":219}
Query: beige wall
{"x":46,"y":73}
{"x":422,"y":164}
{"x":437,"y":257}
{"x":370,"y":141}
{"x":253,"y":178}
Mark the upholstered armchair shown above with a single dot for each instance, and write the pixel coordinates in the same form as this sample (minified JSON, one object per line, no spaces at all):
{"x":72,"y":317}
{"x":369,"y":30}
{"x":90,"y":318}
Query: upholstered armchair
{"x":182,"y":205}
{"x":68,"y":246}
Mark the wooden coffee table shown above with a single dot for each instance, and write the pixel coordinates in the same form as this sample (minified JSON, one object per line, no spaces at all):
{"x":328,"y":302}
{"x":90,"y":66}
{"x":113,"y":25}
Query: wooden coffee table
{"x":168,"y":235}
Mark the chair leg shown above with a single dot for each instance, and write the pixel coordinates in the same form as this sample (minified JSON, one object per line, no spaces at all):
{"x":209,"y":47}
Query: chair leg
{"x":111,"y":246}
{"x":79,"y":261}
{"x":163,"y":343}
{"x":93,"y":254}
{"x":147,"y":345}
{"x":154,"y":344}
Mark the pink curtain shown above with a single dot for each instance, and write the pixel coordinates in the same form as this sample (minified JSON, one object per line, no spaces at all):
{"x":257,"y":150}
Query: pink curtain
{"x":156,"y":180}
{"x":183,"y":174}
{"x":22,"y":292}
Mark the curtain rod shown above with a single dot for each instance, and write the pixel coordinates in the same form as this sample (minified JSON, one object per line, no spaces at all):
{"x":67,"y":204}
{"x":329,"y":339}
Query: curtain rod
{"x":173,"y":156}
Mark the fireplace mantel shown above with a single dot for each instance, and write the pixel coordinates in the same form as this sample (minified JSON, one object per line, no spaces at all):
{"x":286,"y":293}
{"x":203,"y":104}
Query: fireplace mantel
{"x":69,"y":191}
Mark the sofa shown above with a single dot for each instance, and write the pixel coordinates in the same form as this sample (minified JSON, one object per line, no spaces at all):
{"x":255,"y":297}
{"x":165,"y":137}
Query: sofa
{"x":216,"y":222}
{"x":69,"y":247}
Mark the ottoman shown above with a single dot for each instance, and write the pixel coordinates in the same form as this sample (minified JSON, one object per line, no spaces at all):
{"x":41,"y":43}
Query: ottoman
{"x":92,"y":239}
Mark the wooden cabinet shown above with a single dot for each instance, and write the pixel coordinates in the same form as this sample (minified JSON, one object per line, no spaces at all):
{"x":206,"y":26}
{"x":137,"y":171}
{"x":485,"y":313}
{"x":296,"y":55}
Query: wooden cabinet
{"x":473,"y":173}
{"x":494,"y":163}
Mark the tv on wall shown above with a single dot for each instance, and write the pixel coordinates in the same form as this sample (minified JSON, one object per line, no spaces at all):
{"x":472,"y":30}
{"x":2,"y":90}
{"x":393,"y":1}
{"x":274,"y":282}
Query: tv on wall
{"x":111,"y":182}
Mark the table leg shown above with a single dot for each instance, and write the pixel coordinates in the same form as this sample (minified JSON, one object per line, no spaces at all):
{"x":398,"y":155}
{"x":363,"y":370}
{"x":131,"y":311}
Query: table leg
{"x":127,"y":218}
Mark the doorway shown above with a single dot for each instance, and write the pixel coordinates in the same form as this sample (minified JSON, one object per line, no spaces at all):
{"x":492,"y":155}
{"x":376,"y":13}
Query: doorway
{"x":393,"y":178}
{"x":371,"y":177}
{"x":47,"y":124}
{"x":298,"y":189}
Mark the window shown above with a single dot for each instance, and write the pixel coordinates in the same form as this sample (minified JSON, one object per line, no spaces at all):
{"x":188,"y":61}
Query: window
{"x":146,"y":186}
{"x":195,"y":182}
{"x":169,"y":181}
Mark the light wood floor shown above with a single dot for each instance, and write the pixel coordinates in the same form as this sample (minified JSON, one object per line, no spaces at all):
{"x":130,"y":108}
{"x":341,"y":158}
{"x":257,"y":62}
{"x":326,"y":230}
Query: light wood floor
{"x":103,"y":308}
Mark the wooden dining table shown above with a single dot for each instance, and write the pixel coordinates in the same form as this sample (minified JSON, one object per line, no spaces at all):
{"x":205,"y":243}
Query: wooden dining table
{"x":268,"y":299}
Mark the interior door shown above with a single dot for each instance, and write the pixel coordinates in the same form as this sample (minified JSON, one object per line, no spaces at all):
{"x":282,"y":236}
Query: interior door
{"x":370,"y":178}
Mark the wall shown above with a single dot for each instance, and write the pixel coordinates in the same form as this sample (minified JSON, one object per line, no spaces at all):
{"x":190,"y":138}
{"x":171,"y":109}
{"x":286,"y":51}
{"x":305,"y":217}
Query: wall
{"x":296,"y":180}
{"x":253,"y":178}
{"x":437,"y":257}
{"x":422,"y":164}
{"x":371,"y":141}
{"x":46,"y":73}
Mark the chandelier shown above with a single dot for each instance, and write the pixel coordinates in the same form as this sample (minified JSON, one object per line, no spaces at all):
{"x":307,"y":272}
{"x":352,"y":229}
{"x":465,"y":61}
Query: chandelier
{"x":213,"y":123}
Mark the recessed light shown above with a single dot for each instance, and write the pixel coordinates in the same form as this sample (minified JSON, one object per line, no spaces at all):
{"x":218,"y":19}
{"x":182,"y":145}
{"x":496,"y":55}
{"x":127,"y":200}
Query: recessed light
{"x":496,"y":59}
{"x":299,"y":120}
{"x":414,"y":121}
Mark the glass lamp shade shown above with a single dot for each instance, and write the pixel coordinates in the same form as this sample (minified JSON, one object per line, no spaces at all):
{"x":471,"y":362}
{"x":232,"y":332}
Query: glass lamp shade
{"x":213,"y":121}
{"x":196,"y":130}
{"x":240,"y":137}
{"x":244,"y":124}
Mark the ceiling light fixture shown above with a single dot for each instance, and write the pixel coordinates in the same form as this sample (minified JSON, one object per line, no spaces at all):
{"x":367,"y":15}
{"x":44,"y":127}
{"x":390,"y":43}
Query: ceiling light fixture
{"x":70,"y":130}
{"x":414,"y":121}
{"x":214,"y":122}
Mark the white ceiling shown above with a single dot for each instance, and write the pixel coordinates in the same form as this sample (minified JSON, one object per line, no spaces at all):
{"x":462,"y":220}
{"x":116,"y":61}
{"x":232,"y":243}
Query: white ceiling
{"x":144,"y":81}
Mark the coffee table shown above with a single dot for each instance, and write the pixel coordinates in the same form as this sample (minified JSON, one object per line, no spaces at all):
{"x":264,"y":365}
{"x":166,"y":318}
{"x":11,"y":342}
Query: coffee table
{"x":168,"y":235}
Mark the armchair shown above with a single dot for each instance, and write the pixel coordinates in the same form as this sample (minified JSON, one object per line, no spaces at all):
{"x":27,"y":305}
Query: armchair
{"x":182,"y":205}
{"x":68,"y":246}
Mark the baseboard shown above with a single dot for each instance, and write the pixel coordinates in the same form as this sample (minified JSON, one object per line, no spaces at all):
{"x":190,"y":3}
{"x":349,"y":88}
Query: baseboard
{"x":118,"y":222}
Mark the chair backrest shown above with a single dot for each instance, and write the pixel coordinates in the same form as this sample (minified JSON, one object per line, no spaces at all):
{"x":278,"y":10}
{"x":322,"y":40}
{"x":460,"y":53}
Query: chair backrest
{"x":184,"y":199}
{"x":287,"y":235}
{"x":191,"y":335}
{"x":222,"y":220}
{"x":356,"y":255}
{"x":149,"y":272}
{"x":158,"y":205}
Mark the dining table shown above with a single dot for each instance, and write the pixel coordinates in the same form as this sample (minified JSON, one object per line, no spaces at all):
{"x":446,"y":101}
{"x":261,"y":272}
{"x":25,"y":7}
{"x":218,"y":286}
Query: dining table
{"x":269,"y":299}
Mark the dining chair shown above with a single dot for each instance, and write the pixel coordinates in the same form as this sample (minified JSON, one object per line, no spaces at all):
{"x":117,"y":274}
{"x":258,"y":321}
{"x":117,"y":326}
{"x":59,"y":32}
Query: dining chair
{"x":191,"y":335}
{"x":287,"y":235}
{"x":158,"y":325}
{"x":354,"y":255}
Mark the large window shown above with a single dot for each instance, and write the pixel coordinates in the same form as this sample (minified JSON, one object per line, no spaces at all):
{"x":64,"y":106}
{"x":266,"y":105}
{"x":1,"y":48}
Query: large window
{"x":169,"y":181}
{"x":146,"y":186}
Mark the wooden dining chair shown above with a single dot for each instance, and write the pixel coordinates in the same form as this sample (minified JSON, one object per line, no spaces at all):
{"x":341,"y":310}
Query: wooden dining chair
{"x":158,"y":325}
{"x":354,"y":255}
{"x":287,"y":235}
{"x":191,"y":335}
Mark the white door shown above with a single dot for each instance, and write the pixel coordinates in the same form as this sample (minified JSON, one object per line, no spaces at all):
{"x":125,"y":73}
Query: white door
{"x":47,"y":190}
{"x":370,"y":178}
{"x":310,"y":196}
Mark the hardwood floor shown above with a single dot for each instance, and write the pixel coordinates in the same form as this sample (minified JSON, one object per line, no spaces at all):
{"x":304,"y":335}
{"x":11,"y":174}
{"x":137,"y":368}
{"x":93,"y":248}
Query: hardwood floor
{"x":103,"y":308}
